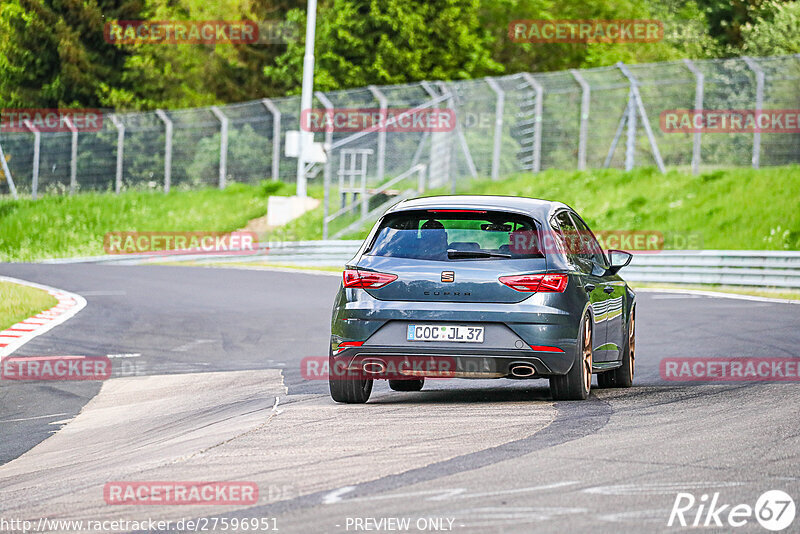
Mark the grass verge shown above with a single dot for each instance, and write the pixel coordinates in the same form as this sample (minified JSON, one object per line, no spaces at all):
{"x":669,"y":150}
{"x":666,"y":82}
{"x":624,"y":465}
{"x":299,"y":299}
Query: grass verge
{"x":21,"y":302}
{"x":70,"y":226}
{"x":729,"y":209}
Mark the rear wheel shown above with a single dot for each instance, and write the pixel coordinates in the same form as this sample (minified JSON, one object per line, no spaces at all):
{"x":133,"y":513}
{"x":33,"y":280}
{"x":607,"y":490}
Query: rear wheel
{"x":349,"y":390}
{"x":622,"y":377}
{"x":407,"y":385}
{"x":576,"y":384}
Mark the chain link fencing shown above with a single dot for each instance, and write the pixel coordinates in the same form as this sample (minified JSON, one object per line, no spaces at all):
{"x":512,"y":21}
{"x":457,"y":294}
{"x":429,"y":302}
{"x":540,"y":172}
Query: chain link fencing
{"x":577,"y":119}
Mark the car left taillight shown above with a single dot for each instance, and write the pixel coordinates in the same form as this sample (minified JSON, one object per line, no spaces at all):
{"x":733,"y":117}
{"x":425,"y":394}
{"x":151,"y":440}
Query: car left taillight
{"x":536,"y":283}
{"x":366,"y":279}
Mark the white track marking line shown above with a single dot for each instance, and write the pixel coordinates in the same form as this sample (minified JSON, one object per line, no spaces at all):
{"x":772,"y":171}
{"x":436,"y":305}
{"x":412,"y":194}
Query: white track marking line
{"x":336,"y":495}
{"x":716,"y":294}
{"x":68,"y":305}
{"x":32,"y":418}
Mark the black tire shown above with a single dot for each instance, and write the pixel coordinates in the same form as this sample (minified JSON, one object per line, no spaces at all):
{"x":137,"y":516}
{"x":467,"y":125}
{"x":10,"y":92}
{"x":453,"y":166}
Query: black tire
{"x":622,"y":377}
{"x":349,"y":390}
{"x":577,"y":383}
{"x":407,"y":385}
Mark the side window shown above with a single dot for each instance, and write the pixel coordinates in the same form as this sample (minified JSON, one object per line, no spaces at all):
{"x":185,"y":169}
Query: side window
{"x":589,"y":248}
{"x":565,"y":230}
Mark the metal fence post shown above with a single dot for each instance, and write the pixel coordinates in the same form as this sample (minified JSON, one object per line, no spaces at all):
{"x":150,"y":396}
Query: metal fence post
{"x":167,"y":148}
{"x":381,"y":98}
{"x":459,"y":135}
{"x":499,"y":109}
{"x":73,"y":158}
{"x":635,"y":102}
{"x":37,"y":144}
{"x":586,"y":93}
{"x":276,"y":137}
{"x":223,"y":145}
{"x":760,"y":78}
{"x":326,"y":171}
{"x":7,"y":173}
{"x":630,"y":141}
{"x":120,"y":150}
{"x":698,"y":106}
{"x":537,"y":132}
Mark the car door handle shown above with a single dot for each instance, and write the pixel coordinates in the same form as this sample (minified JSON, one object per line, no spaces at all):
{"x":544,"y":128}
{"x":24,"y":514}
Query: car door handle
{"x":589,"y":288}
{"x":608,"y":289}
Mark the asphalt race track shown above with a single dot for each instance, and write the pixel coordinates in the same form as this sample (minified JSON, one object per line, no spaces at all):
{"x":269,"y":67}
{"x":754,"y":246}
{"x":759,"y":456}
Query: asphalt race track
{"x":207,"y":385}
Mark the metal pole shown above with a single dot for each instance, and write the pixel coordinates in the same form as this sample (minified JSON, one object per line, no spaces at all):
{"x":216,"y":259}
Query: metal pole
{"x":698,"y":107}
{"x":120,"y":151}
{"x":326,"y":172}
{"x":473,"y":171}
{"x":307,"y":91}
{"x":167,"y":148}
{"x":435,"y":164}
{"x":636,"y":103}
{"x":276,"y":137}
{"x":617,"y":135}
{"x":586,"y":93}
{"x":11,"y":187}
{"x":760,"y":77}
{"x":537,"y":132}
{"x":499,"y":108}
{"x":73,"y":160}
{"x":37,"y":143}
{"x":223,"y":145}
{"x":381,"y":98}
{"x":630,"y":142}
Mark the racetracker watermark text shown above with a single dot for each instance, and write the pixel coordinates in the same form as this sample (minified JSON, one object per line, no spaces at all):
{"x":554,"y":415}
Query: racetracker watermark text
{"x":377,"y":119}
{"x":730,"y":369}
{"x":55,"y":368}
{"x":585,"y":31}
{"x":181,"y":493}
{"x":137,"y":32}
{"x":730,"y":121}
{"x":49,"y":120}
{"x":180,"y":243}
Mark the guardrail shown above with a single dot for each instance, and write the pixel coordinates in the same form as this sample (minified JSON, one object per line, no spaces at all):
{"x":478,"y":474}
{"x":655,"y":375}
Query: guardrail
{"x":726,"y":267}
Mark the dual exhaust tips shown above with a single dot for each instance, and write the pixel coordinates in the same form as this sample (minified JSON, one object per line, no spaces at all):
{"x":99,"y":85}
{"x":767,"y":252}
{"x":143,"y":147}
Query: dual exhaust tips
{"x":518,"y":370}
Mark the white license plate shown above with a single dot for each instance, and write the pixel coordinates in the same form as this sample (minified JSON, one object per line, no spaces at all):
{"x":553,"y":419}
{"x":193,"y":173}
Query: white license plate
{"x":433,"y":332}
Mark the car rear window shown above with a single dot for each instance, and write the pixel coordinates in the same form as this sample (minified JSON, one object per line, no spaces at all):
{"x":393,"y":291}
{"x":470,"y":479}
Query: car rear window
{"x":457,"y":235}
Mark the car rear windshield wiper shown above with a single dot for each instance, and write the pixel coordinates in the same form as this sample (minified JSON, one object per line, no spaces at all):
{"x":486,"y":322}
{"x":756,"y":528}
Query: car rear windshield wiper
{"x":452,"y":254}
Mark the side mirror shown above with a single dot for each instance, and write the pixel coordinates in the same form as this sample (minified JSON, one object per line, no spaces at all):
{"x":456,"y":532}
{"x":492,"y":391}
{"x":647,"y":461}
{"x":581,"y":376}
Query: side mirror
{"x":618,"y":259}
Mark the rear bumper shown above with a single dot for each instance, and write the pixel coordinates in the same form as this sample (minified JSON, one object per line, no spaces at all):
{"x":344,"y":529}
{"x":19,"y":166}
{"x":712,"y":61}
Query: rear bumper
{"x":461,"y":362}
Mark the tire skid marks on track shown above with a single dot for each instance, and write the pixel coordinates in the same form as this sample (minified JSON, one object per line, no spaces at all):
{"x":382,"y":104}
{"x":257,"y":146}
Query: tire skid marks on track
{"x":18,"y":334}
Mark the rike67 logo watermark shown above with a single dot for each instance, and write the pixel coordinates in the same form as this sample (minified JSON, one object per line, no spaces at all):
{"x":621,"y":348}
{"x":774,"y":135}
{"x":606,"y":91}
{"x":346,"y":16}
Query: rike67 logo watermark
{"x":774,"y":510}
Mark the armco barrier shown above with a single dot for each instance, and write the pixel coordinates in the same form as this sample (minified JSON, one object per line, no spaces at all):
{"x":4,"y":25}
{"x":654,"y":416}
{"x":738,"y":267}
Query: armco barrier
{"x":728,"y":267}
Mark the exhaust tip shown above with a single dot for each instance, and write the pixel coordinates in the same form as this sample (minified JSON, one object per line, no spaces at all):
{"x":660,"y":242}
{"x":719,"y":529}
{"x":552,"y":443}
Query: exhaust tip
{"x":373,"y":366}
{"x":522,"y":370}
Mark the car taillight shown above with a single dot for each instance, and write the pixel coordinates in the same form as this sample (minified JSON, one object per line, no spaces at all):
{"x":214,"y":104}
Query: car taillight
{"x":536,"y":283}
{"x":345,"y":345}
{"x":366,"y":279}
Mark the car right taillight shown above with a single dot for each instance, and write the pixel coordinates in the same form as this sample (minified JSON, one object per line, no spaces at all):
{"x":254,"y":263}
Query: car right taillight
{"x":366,"y":279}
{"x":536,"y":283}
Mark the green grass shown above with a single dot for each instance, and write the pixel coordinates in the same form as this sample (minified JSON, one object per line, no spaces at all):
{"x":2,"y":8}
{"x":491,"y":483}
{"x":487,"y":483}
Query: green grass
{"x":21,"y":302}
{"x":738,"y":209}
{"x":64,"y":226}
{"x":735,"y":209}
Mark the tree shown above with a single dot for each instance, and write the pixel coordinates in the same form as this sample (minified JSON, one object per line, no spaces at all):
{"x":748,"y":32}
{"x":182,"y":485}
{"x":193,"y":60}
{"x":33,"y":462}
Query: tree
{"x":773,"y":34}
{"x":362,"y":42}
{"x":53,"y":53}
